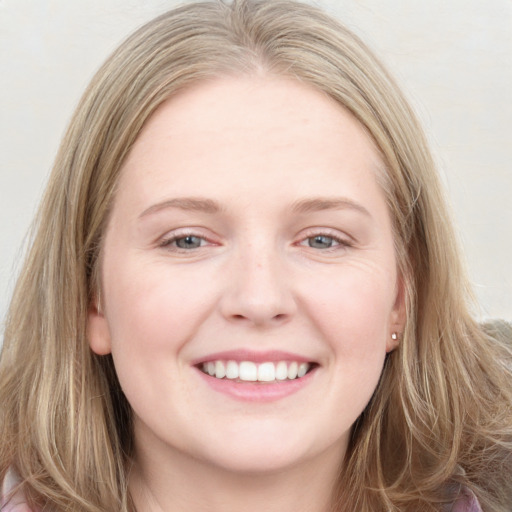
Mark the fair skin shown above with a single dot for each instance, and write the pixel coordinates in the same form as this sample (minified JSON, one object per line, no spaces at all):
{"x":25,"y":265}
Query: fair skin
{"x":248,"y":226}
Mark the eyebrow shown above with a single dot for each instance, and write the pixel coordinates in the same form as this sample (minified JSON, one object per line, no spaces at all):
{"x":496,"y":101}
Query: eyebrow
{"x":302,"y":206}
{"x":184,"y":203}
{"x":327,"y":203}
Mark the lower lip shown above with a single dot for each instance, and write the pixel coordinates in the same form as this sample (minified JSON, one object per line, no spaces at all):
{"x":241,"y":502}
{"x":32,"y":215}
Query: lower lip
{"x":257,"y":391}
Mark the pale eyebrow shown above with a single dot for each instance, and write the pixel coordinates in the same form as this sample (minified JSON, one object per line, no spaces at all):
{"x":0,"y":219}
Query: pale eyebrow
{"x":209,"y":206}
{"x":316,"y":204}
{"x":197,"y":204}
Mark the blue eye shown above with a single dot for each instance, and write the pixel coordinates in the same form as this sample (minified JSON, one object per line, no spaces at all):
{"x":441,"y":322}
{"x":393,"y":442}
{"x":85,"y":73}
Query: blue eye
{"x":321,"y":242}
{"x":188,"y":242}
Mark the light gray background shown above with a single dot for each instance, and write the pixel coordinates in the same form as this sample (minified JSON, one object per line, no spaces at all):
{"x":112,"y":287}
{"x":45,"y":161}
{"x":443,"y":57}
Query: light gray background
{"x":453,"y":58}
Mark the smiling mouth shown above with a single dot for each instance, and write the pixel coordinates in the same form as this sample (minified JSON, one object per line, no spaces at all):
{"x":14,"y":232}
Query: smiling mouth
{"x":249,"y":371}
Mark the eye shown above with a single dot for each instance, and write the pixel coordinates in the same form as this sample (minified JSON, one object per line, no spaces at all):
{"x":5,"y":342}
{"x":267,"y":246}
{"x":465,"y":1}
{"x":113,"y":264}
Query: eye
{"x":325,"y":240}
{"x":184,"y":242}
{"x":189,"y":242}
{"x":321,"y":242}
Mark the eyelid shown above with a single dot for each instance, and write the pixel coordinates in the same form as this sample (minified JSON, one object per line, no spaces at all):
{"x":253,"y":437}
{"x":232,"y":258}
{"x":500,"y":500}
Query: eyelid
{"x":342,"y":239}
{"x":169,"y":238}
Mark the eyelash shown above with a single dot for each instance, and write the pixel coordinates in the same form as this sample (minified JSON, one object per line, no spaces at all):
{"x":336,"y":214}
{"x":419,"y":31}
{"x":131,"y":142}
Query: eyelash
{"x":340,"y":242}
{"x":167,"y":243}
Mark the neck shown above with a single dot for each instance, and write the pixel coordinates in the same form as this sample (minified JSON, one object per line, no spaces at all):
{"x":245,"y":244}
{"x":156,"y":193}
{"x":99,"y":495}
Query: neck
{"x":186,"y":484}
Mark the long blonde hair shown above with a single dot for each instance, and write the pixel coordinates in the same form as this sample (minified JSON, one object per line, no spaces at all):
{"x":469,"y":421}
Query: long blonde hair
{"x":441,"y":416}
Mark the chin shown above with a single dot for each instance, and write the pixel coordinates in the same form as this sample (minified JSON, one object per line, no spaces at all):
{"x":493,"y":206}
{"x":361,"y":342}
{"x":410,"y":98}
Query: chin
{"x":257,"y":463}
{"x":263,"y":451}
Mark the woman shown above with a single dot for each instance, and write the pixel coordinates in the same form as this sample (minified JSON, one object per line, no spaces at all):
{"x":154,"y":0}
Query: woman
{"x":243,"y":290}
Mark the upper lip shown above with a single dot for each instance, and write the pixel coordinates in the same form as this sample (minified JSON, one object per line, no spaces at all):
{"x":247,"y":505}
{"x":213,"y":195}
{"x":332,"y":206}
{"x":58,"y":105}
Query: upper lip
{"x":254,"y":356}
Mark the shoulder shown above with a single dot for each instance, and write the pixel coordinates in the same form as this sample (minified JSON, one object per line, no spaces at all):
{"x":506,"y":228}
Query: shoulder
{"x":13,"y":500}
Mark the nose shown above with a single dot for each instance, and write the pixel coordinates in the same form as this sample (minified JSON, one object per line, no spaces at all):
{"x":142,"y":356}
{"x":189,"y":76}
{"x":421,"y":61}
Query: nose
{"x":258,"y":290}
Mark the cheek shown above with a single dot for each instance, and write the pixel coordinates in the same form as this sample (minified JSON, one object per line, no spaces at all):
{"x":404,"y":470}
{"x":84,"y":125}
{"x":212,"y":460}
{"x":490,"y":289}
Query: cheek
{"x":154,"y":309}
{"x":353,"y":309}
{"x":152,"y":315}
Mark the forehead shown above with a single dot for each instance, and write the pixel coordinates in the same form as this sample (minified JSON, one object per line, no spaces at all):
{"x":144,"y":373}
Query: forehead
{"x":241,"y":133}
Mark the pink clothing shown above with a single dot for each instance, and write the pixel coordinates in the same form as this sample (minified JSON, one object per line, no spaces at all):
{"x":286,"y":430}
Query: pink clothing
{"x":17,"y":502}
{"x":467,"y":503}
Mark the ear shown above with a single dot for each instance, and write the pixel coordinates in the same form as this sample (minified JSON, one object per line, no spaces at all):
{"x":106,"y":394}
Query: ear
{"x":98,"y":332}
{"x":397,"y":318}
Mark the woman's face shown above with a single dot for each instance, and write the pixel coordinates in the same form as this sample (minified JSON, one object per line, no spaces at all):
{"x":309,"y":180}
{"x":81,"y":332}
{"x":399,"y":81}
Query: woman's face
{"x":248,"y":236}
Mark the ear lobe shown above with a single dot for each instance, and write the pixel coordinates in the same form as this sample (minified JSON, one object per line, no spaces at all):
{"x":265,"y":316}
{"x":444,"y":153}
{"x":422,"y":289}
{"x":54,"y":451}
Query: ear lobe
{"x":98,"y":332}
{"x":392,"y":341}
{"x":397,"y":319}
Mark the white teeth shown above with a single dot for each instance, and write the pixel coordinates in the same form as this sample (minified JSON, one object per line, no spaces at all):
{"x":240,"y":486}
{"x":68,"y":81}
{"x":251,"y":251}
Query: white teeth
{"x":266,"y":372}
{"x":232,"y":370}
{"x":281,"y":371}
{"x":292,"y":370}
{"x":248,"y":371}
{"x":303,"y":368}
{"x":253,"y":372}
{"x":220,"y":370}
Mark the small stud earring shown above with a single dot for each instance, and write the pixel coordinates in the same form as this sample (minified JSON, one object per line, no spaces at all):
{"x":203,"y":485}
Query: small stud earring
{"x":394,"y":336}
